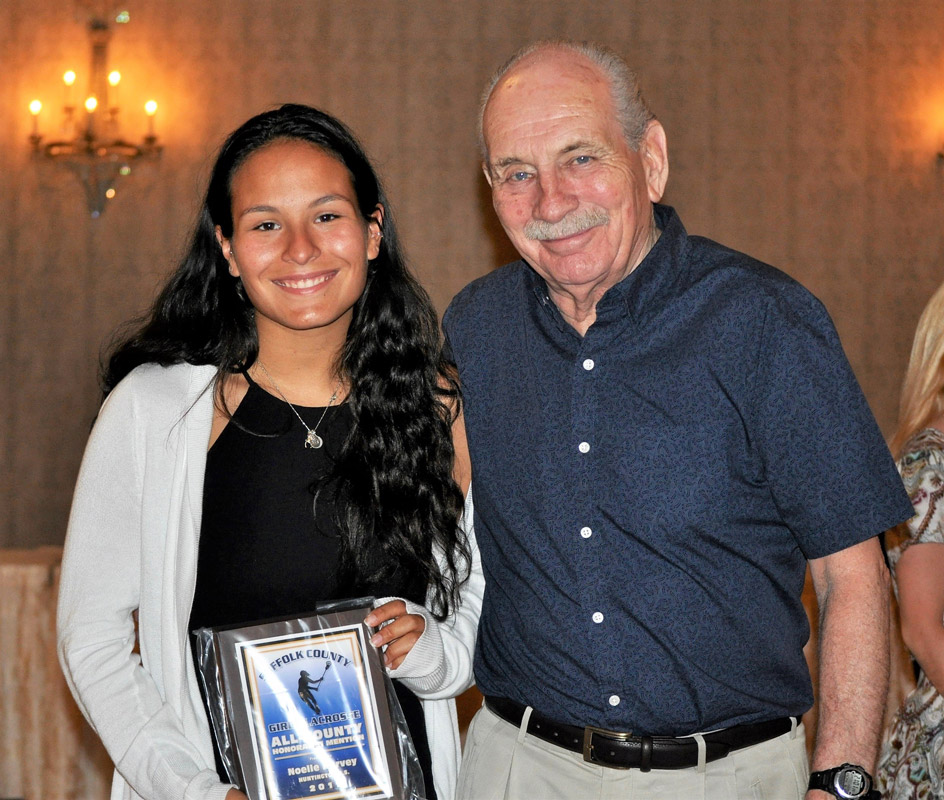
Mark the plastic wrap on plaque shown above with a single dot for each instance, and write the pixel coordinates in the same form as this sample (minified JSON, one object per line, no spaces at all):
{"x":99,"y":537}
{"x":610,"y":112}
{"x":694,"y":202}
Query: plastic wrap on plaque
{"x":302,"y":709}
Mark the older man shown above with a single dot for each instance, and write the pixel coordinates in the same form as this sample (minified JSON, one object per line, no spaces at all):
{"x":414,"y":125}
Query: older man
{"x":663,"y":432}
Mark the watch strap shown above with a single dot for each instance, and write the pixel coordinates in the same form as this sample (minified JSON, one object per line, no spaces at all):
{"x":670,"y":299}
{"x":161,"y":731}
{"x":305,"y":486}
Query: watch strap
{"x":822,"y":780}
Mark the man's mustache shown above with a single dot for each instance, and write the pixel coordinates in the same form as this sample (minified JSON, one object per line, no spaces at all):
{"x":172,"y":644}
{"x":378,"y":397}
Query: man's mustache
{"x":573,"y":223}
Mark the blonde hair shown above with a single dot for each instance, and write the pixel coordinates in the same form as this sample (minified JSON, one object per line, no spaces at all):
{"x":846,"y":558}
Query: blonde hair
{"x":922,"y":393}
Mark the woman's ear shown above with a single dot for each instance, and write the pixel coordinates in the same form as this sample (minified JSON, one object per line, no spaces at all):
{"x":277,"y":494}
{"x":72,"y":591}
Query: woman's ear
{"x":374,"y":232}
{"x":226,"y":246}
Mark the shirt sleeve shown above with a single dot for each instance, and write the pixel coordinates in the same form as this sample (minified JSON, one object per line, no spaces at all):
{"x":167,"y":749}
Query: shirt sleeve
{"x":927,"y":499}
{"x":827,"y":466}
{"x":922,"y":470}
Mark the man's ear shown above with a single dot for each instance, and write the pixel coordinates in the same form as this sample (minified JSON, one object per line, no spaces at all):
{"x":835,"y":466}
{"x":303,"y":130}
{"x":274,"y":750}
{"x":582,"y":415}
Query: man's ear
{"x":226,"y":246}
{"x":488,"y":175}
{"x":655,"y":159}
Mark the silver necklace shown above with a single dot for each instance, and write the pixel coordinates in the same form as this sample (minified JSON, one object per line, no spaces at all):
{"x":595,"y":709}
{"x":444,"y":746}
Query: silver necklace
{"x":312,"y":440}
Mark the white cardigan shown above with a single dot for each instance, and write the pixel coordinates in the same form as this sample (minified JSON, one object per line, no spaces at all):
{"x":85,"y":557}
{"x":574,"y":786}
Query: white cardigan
{"x":132,"y":545}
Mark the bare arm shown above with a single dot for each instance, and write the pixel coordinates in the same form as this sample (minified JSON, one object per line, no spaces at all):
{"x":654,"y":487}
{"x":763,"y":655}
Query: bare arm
{"x":852,"y":590}
{"x":921,"y":600}
{"x":462,"y":471}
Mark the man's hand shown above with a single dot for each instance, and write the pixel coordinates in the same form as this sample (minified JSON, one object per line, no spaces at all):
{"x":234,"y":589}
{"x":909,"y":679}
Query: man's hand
{"x":398,"y":636}
{"x":235,"y":794}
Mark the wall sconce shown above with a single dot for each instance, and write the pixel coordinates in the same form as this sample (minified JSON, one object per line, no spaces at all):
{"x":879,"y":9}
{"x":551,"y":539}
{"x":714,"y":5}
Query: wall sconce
{"x":91,"y":145}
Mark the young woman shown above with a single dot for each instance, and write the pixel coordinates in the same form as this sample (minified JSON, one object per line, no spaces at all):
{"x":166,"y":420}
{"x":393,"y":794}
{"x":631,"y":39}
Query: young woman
{"x":279,"y":431}
{"x":911,"y":764}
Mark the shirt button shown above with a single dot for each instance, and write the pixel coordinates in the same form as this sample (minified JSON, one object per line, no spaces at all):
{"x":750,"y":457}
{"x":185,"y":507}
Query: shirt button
{"x":586,"y":532}
{"x":584,"y":447}
{"x":614,"y":699}
{"x":588,"y":364}
{"x":597,"y":617}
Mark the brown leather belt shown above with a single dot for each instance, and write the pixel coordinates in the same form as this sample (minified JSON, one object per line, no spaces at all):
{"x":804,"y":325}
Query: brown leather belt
{"x":625,"y":751}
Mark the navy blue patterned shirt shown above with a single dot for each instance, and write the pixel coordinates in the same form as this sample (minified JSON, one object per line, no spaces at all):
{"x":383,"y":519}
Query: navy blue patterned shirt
{"x":647,"y":495}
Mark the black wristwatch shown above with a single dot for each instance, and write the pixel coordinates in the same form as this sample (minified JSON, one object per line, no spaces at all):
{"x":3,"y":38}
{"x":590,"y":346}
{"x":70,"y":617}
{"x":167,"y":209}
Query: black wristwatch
{"x":850,"y":782}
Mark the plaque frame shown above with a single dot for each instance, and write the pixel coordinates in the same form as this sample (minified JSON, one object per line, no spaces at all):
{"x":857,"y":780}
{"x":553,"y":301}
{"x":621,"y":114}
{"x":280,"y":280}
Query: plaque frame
{"x":301,"y":709}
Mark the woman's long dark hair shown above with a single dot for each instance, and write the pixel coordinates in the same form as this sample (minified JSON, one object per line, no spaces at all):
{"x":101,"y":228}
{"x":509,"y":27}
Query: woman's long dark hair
{"x":395,"y":470}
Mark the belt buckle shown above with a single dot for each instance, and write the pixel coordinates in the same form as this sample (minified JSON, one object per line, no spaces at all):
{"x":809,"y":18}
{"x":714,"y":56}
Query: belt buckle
{"x":619,"y":736}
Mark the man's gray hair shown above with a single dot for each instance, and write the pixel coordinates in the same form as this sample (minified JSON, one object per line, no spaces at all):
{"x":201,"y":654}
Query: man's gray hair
{"x":632,"y":112}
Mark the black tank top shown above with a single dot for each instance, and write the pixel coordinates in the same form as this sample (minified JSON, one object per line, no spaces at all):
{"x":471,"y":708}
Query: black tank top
{"x":269,"y":542}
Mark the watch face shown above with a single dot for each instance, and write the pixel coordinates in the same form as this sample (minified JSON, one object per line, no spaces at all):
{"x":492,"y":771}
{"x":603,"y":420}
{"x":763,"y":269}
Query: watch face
{"x":852,"y":782}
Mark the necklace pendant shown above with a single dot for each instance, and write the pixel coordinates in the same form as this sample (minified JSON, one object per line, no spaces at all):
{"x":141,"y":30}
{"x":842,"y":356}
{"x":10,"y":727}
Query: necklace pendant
{"x":313,"y":441}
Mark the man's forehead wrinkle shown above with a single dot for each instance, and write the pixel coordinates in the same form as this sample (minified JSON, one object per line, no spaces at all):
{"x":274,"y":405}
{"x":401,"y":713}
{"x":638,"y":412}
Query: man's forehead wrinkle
{"x":507,"y":161}
{"x":509,"y":117}
{"x":570,"y":145}
{"x":540,"y":105}
{"x":524,"y":140}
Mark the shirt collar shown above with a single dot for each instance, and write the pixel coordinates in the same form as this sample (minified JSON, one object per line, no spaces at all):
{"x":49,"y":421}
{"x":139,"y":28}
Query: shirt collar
{"x":644,"y":290}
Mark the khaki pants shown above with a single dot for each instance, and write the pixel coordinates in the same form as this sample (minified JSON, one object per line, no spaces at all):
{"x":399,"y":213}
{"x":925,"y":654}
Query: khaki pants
{"x":502,"y":762}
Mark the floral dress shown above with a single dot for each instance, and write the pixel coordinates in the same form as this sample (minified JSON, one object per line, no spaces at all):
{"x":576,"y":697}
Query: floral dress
{"x":911,"y":765}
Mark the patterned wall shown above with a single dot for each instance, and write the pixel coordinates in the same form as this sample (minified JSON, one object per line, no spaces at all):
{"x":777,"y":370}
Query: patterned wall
{"x":801,"y":131}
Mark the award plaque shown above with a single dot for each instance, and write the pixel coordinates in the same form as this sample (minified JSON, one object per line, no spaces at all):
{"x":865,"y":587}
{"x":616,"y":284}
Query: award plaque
{"x":300,"y":707}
